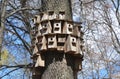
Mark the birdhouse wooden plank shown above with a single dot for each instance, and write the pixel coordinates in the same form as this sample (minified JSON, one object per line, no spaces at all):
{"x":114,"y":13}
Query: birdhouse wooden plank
{"x":33,"y":42}
{"x":44,"y":16}
{"x":35,"y":50}
{"x":39,"y":62}
{"x":61,"y":42}
{"x":71,"y":44}
{"x":52,"y":41}
{"x":39,"y":30}
{"x":36,"y":19}
{"x":42,"y":43}
{"x":81,"y":33}
{"x":46,"y":27}
{"x":57,"y":26}
{"x":61,"y":38}
{"x":33,"y":31}
{"x":82,"y":48}
{"x":51,"y":15}
{"x":62,"y":15}
{"x":78,"y":51}
{"x":68,"y":27}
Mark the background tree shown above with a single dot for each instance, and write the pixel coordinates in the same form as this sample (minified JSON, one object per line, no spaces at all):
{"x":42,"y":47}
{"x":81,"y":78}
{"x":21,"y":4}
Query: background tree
{"x":2,"y":21}
{"x":101,"y":27}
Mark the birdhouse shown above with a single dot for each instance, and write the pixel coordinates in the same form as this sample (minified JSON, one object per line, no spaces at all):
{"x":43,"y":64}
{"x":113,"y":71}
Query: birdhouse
{"x":52,"y":41}
{"x":51,"y":15}
{"x":81,"y":34}
{"x":33,"y":42}
{"x":37,"y":72}
{"x":78,"y":50}
{"x":77,"y":31}
{"x":78,"y":64}
{"x":82,"y":48}
{"x":57,"y":26}
{"x":41,"y":43}
{"x":61,"y":42}
{"x":71,"y":44}
{"x":39,"y":30}
{"x":62,"y":15}
{"x":36,"y":30}
{"x":68,"y":27}
{"x":39,"y":62}
{"x":35,"y":50}
{"x":46,"y":27}
{"x":44,"y":16}
{"x":33,"y":31}
{"x":36,"y":19}
{"x":82,"y":44}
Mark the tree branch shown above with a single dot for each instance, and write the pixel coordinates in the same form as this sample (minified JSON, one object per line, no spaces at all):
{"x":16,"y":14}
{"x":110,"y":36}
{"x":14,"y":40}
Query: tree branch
{"x":21,"y":9}
{"x":9,"y":72}
{"x":27,"y":46}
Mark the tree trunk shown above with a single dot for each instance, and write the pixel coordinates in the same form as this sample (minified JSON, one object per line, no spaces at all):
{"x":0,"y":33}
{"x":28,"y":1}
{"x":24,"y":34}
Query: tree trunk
{"x":58,"y":64}
{"x":2,"y":23}
{"x":58,"y":5}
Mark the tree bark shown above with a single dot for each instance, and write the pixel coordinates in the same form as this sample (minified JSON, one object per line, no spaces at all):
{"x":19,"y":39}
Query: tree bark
{"x":58,"y":5}
{"x":58,"y":66}
{"x":2,"y":23}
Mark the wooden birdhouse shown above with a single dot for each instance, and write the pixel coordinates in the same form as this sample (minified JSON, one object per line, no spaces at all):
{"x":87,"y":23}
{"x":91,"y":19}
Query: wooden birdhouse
{"x":39,"y":65}
{"x":39,"y":30}
{"x":82,"y":48}
{"x":78,"y":64}
{"x":42,"y":43}
{"x":33,"y":42}
{"x":61,"y":42}
{"x":71,"y":44}
{"x":51,"y":15}
{"x":62,"y":15}
{"x":52,"y":41}
{"x":78,"y":50}
{"x":77,"y":31}
{"x":33,"y":31}
{"x":35,"y":50}
{"x":46,"y":27}
{"x":81,"y":33}
{"x":36,"y":19}
{"x":68,"y":27}
{"x":37,"y":72}
{"x":39,"y":62}
{"x":57,"y":27}
{"x":44,"y":16}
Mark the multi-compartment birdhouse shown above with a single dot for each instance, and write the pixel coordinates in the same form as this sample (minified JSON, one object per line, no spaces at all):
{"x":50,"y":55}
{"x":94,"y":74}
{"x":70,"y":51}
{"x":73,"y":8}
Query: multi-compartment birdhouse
{"x":57,"y":26}
{"x":61,"y":42}
{"x":62,"y":15}
{"x":71,"y":44}
{"x":36,"y":19}
{"x":53,"y":32}
{"x":68,"y":27}
{"x":42,"y":43}
{"x":52,"y":41}
{"x":44,"y":16}
{"x":46,"y":27}
{"x":51,"y":15}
